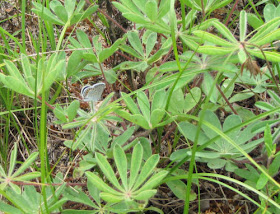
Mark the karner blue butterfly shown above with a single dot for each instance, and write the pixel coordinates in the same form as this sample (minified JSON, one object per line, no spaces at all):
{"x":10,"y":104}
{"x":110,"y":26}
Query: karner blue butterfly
{"x":92,"y":93}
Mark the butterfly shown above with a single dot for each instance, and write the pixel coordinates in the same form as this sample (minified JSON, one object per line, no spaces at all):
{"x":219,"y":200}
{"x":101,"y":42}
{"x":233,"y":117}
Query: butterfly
{"x":92,"y":92}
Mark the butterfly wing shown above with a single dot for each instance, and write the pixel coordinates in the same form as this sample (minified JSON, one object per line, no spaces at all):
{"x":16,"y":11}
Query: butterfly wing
{"x":93,"y":93}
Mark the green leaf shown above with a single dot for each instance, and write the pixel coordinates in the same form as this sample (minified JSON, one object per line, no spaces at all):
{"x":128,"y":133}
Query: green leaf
{"x":151,"y":10}
{"x":136,"y":161}
{"x":60,"y":114}
{"x":145,"y":195}
{"x":121,"y":163}
{"x":139,"y":19}
{"x":216,"y":163}
{"x":224,"y":31}
{"x":151,"y":41}
{"x":156,"y":116}
{"x":159,"y":100}
{"x":268,"y":141}
{"x":154,"y":181}
{"x":212,"y":50}
{"x":254,"y":21}
{"x":17,"y":86}
{"x":135,"y":42}
{"x":130,"y":103}
{"x":106,"y":53}
{"x":269,"y":12}
{"x":28,"y":176}
{"x":205,"y":36}
{"x":146,"y":170}
{"x":136,"y":118}
{"x":100,"y":184}
{"x":74,"y":62}
{"x":262,"y":181}
{"x":270,"y":56}
{"x":268,"y":38}
{"x":72,"y":110}
{"x":265,"y":29}
{"x":241,"y":96}
{"x":107,"y":170}
{"x":179,"y":189}
{"x":243,"y":25}
{"x":208,"y":83}
{"x":111,"y":198}
{"x":47,"y":15}
{"x":27,"y":72}
{"x":12,"y":161}
{"x":26,"y":164}
{"x":144,"y":104}
{"x":122,"y":139}
{"x":69,"y":6}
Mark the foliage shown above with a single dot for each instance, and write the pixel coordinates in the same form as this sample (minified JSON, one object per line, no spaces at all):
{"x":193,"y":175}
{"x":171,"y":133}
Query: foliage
{"x":174,"y":74}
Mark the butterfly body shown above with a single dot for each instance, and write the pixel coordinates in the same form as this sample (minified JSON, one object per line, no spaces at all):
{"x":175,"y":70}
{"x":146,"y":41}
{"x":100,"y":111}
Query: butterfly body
{"x":92,"y":92}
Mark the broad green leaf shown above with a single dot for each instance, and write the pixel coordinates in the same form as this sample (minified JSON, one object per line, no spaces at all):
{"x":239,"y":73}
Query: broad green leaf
{"x":131,"y":51}
{"x":254,"y":21}
{"x":69,"y":6}
{"x":129,"y":5}
{"x":27,"y":176}
{"x":121,"y":163}
{"x":224,"y":30}
{"x":274,"y":96}
{"x":154,"y":181}
{"x":27,"y":72}
{"x":83,"y":39}
{"x":13,"y":71}
{"x":17,"y":86}
{"x":140,"y":5}
{"x":139,"y":19}
{"x":111,"y":198}
{"x":12,"y":161}
{"x":212,"y":50}
{"x":151,"y":10}
{"x":178,"y":187}
{"x":46,"y":15}
{"x":241,"y":96}
{"x":136,"y":118}
{"x":216,"y":163}
{"x":106,"y":53}
{"x":208,"y":83}
{"x":205,"y":36}
{"x":145,"y":195}
{"x":264,"y":105}
{"x":265,"y":29}
{"x":268,"y":141}
{"x":122,"y":139}
{"x":137,"y":66}
{"x":270,"y":56}
{"x":192,"y":99}
{"x":100,"y":184}
{"x":135,"y":42}
{"x":151,"y":41}
{"x":243,"y":25}
{"x":262,"y":181}
{"x":136,"y":161}
{"x":269,"y":12}
{"x":6,"y":208}
{"x":144,"y":105}
{"x":72,"y":110}
{"x":90,"y":57}
{"x":156,"y":116}
{"x":159,"y":100}
{"x":73,"y":63}
{"x":107,"y":170}
{"x":268,"y":38}
{"x":130,"y":103}
{"x":26,"y":164}
{"x":146,"y":170}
